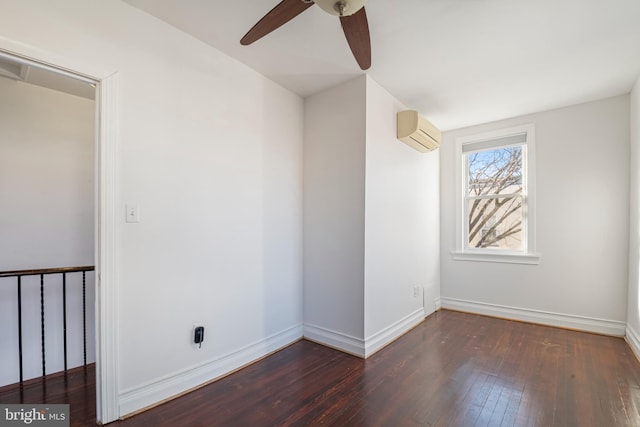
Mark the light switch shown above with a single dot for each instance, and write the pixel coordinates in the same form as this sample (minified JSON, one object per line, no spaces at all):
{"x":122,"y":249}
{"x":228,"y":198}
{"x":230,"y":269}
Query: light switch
{"x":133,"y":213}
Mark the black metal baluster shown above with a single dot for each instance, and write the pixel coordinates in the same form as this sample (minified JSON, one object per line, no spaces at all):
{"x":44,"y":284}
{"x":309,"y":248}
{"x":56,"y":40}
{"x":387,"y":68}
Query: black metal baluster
{"x":43,"y":272}
{"x":64,"y":316}
{"x":84,"y":316}
{"x":20,"y":324}
{"x":42,"y":322}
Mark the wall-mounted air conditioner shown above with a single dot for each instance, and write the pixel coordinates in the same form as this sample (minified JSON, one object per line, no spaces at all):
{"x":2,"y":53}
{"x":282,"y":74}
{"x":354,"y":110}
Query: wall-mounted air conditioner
{"x":417,"y":131}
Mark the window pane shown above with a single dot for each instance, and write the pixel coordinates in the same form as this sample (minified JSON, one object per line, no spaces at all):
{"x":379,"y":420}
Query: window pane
{"x":497,"y":171}
{"x":496,"y":223}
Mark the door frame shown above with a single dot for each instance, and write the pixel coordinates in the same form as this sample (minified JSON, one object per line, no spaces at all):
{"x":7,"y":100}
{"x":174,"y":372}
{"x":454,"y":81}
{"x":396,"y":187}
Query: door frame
{"x":107,"y":402}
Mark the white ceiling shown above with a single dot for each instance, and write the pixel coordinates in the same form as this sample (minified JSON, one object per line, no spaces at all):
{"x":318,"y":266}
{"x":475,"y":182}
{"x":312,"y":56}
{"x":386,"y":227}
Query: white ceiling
{"x":458,"y":62}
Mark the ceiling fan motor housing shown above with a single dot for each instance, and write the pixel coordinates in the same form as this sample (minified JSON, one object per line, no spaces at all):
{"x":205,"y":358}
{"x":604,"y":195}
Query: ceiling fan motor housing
{"x":340,"y":7}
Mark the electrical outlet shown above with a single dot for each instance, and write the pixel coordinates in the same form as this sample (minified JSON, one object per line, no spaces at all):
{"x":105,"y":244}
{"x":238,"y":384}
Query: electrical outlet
{"x":416,"y":291}
{"x":198,"y":335}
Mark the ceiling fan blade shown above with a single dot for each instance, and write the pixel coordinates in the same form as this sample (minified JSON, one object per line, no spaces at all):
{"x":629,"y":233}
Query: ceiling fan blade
{"x":284,"y":12}
{"x":356,"y":30}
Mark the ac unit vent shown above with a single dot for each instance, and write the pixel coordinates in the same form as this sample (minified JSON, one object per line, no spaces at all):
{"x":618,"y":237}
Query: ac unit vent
{"x":417,"y":132}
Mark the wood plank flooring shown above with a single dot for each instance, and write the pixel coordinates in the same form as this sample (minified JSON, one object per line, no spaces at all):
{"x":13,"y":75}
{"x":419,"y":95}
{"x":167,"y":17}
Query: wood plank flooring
{"x":455,"y":369}
{"x":77,"y":387}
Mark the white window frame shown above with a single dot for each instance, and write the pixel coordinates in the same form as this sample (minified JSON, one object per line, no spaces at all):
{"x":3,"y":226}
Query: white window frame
{"x":528,"y":253}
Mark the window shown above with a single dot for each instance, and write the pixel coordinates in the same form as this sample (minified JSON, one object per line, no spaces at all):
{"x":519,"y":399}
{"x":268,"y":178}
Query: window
{"x":496,"y":202}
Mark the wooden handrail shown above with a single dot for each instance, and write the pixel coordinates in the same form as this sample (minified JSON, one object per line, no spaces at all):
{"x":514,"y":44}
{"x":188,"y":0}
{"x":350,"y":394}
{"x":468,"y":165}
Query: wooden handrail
{"x":37,"y":272}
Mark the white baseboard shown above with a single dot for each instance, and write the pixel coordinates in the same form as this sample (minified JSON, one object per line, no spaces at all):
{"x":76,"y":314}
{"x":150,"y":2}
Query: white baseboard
{"x":582,"y":323}
{"x":392,"y":332}
{"x":334,"y":339}
{"x":437,"y":303}
{"x":173,"y":385}
{"x":357,"y":346}
{"x":633,"y":339}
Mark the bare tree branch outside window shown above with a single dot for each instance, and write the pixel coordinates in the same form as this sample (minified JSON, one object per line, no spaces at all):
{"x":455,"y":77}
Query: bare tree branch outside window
{"x":495,"y":198}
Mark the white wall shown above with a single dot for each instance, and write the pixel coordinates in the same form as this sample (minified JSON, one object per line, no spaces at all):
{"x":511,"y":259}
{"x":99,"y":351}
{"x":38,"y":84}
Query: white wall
{"x":46,"y":177}
{"x":334,"y":210}
{"x":46,"y":220}
{"x":211,"y":152}
{"x":402,"y":219}
{"x":371,"y":221}
{"x":633,"y":297}
{"x":582,"y":224}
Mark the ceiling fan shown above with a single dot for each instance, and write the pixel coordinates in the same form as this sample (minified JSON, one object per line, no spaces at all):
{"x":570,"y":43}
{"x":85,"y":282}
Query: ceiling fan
{"x":352,"y":17}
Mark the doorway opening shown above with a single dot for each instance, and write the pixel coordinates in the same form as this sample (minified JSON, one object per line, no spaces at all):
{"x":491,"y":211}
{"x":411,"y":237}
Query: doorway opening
{"x":83,"y":258}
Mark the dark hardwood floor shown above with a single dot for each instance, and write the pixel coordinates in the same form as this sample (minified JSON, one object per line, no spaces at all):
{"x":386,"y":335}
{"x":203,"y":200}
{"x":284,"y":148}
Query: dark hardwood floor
{"x":455,"y":369}
{"x":77,"y":387}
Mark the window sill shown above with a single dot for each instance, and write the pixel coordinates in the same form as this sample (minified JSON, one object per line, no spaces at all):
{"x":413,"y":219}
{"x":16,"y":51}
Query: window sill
{"x":531,"y":259}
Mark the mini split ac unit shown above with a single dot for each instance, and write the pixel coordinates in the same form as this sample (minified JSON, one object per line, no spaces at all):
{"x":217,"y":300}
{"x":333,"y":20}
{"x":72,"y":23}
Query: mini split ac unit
{"x":417,"y":132}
